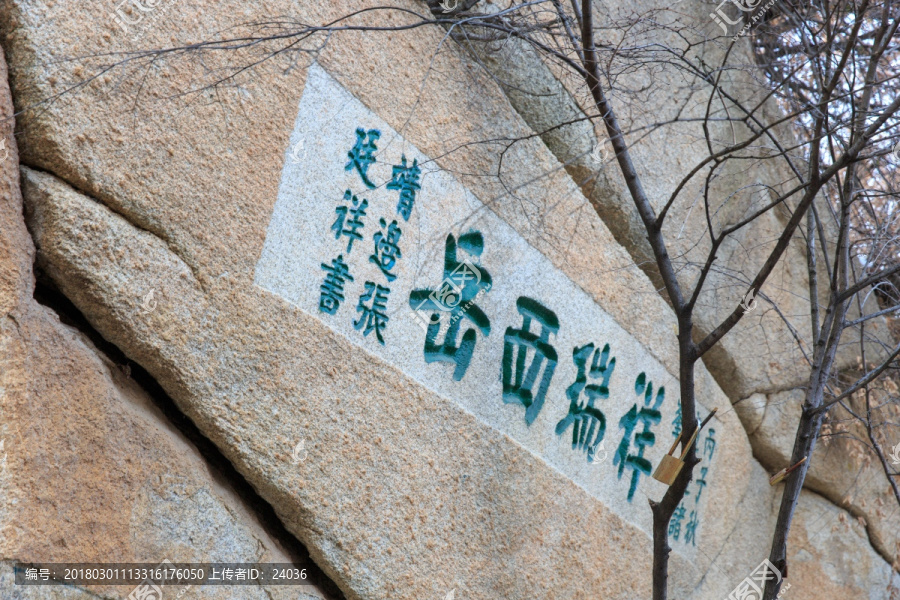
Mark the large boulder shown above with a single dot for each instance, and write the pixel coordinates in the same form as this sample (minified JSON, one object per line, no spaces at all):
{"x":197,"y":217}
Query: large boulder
{"x":843,"y":468}
{"x":832,"y":557}
{"x":434,"y":463}
{"x":90,"y":468}
{"x":829,"y":554}
{"x":401,"y":455}
{"x":661,"y":110}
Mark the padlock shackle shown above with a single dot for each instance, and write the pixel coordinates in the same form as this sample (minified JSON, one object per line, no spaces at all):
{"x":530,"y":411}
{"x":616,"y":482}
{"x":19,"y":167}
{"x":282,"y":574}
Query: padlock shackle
{"x":689,"y":444}
{"x":693,"y":437}
{"x":674,"y":444}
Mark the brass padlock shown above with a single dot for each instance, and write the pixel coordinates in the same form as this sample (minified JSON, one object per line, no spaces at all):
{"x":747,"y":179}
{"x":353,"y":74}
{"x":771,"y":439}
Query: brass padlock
{"x":669,"y":467}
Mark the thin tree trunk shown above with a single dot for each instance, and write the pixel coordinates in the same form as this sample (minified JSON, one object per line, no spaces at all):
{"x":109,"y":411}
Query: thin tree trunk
{"x":804,"y":444}
{"x":663,"y":510}
{"x":812,"y":415}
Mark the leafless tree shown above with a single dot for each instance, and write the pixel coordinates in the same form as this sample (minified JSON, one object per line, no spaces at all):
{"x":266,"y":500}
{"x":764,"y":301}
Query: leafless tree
{"x":836,"y":66}
{"x":832,"y":68}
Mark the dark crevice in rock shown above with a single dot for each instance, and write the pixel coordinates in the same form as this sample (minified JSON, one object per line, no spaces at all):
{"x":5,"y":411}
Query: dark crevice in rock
{"x":110,"y":206}
{"x":48,"y":295}
{"x":830,"y":497}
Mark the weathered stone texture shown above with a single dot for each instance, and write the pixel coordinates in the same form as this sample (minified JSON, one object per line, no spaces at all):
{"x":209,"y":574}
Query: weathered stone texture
{"x":832,"y":557}
{"x":444,"y":501}
{"x":841,"y":468}
{"x":90,"y":470}
{"x":829,"y":554}
{"x":404,"y":493}
{"x":649,"y":100}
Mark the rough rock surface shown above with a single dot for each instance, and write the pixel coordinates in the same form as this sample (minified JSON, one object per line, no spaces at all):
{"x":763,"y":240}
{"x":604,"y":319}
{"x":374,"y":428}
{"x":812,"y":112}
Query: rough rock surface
{"x":543,"y":101}
{"x":90,"y":470}
{"x":241,"y":362}
{"x":537,"y":89}
{"x":832,"y":557}
{"x":829,"y":554}
{"x":837,"y":470}
{"x":759,"y":360}
{"x":404,"y":493}
{"x":390,"y":464}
